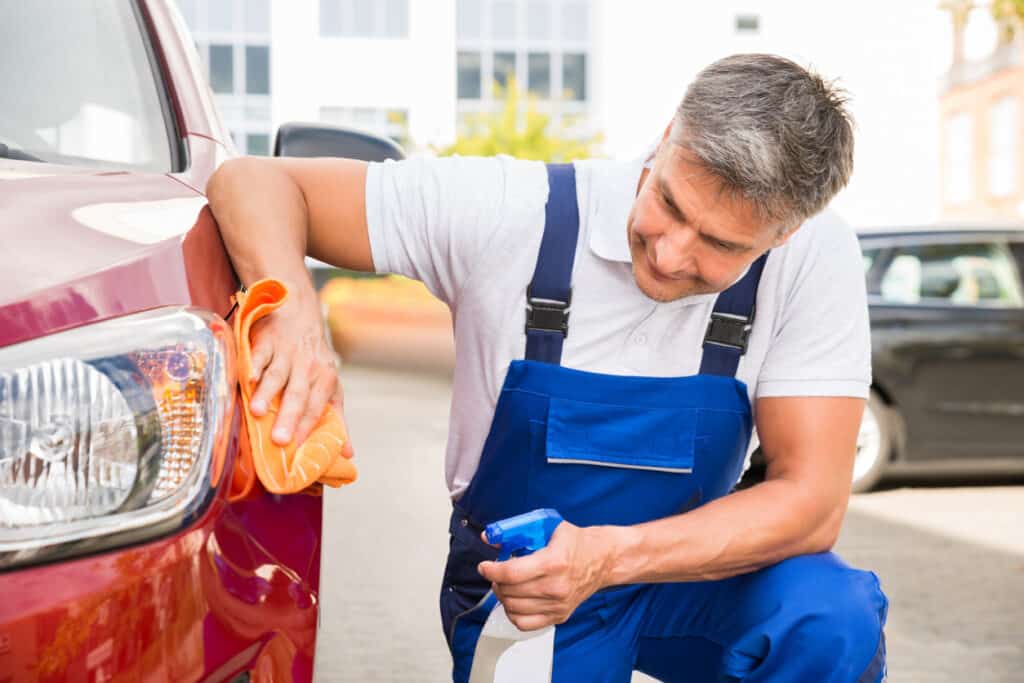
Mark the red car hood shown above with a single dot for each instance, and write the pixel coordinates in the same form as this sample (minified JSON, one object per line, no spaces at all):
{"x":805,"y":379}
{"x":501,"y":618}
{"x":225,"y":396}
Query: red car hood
{"x":81,"y":246}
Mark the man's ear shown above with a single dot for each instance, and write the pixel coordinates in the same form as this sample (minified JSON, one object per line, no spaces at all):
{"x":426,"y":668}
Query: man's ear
{"x":668,"y":130}
{"x":664,"y":137}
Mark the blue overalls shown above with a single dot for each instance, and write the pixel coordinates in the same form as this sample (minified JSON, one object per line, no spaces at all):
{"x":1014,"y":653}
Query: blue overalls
{"x":608,"y":449}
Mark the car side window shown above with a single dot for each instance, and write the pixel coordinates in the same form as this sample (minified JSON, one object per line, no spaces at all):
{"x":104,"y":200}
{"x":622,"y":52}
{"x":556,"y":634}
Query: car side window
{"x":78,"y":87}
{"x":967,"y":274}
{"x":869,"y":254}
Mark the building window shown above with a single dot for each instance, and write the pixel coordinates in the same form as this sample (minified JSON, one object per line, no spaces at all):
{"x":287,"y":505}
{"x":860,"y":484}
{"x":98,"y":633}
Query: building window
{"x":574,"y":76}
{"x":539,"y":74}
{"x":257,"y":143}
{"x":544,"y":44}
{"x":503,"y":20}
{"x":330,"y":18}
{"x":257,"y":16}
{"x":222,"y":68}
{"x":220,"y":15}
{"x":396,"y":18}
{"x":364,"y":18}
{"x":575,"y":22}
{"x":468,"y":19}
{"x":539,"y":19}
{"x":748,"y":24}
{"x":504,"y":67}
{"x":257,"y":69}
{"x":188,"y":12}
{"x":959,"y":159}
{"x":1002,"y":151}
{"x":469,"y":76}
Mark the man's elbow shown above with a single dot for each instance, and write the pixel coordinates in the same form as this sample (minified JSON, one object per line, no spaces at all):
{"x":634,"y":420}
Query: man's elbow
{"x":225,"y":179}
{"x":826,"y":534}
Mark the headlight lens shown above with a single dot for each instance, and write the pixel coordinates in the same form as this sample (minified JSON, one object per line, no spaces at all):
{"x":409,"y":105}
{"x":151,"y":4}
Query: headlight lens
{"x":69,"y":444}
{"x":109,"y":428}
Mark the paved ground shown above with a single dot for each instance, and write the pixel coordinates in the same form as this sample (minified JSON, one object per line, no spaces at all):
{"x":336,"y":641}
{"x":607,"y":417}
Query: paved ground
{"x":951,"y":557}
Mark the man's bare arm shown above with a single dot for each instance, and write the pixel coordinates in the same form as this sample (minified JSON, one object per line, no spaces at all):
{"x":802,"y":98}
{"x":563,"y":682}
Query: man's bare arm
{"x":272,"y":213}
{"x":809,"y":444}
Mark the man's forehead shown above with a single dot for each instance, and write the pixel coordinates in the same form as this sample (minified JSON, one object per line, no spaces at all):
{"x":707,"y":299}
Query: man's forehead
{"x":704,"y":198}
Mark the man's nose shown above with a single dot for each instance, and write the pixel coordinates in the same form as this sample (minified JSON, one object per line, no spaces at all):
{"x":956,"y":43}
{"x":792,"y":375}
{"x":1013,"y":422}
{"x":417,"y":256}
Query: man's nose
{"x":673,"y":252}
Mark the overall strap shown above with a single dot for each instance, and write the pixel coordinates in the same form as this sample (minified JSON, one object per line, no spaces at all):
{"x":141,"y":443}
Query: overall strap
{"x":728,"y":331}
{"x":550,"y":292}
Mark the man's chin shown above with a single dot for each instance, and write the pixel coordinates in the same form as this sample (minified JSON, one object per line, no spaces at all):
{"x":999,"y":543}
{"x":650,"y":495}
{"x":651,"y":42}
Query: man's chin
{"x":663,"y":292}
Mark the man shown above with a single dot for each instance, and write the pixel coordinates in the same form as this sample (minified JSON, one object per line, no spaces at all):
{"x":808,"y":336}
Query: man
{"x":610,"y":365}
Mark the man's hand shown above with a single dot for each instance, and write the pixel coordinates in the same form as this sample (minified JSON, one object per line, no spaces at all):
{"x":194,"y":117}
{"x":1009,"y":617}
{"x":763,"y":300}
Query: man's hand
{"x":290,"y":352}
{"x":546,"y":587}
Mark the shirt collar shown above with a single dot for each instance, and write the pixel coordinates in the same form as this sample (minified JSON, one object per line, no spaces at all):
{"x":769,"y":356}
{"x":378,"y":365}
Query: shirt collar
{"x":612,"y":194}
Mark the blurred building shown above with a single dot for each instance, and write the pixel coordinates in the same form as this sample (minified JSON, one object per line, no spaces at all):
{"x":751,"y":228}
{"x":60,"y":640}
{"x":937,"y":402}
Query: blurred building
{"x":413,"y":69}
{"x":408,"y":69}
{"x":233,"y":38}
{"x":982,"y":120}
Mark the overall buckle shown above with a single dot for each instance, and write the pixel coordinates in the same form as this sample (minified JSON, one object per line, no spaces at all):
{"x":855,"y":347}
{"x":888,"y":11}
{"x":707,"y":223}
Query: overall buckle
{"x":731,"y":331}
{"x":548,"y":315}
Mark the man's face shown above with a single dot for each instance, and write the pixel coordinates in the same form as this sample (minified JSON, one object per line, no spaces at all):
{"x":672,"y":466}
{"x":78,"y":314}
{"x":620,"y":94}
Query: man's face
{"x":686,"y":235}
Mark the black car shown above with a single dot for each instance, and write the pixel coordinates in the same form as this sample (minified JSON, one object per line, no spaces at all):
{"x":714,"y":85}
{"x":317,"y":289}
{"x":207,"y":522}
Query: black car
{"x":947,"y":331}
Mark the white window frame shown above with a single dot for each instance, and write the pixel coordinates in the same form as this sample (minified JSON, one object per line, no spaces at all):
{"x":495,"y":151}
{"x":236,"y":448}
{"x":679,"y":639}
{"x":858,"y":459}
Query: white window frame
{"x":959,"y":171}
{"x":1004,"y":134}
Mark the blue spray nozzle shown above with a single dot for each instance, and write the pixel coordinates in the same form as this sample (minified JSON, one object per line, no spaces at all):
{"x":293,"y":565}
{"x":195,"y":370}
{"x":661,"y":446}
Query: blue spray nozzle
{"x":523,"y":534}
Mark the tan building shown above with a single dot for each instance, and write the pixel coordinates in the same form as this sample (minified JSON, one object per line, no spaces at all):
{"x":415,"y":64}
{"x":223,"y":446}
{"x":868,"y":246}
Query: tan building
{"x":981,"y":126}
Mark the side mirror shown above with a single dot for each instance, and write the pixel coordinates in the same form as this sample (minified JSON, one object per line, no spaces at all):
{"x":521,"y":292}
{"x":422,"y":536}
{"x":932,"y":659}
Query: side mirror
{"x":323,"y":140}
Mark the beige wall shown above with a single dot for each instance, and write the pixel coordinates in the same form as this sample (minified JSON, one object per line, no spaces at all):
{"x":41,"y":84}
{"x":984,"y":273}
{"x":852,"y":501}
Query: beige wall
{"x":976,"y":99}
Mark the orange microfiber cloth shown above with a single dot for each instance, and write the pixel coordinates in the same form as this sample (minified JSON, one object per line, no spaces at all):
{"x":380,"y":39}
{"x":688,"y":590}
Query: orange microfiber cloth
{"x":294,"y":467}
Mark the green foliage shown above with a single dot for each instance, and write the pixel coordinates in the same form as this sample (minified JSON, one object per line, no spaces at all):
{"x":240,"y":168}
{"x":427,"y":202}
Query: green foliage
{"x":1008,"y":8}
{"x":1010,"y":16}
{"x":522,"y":132}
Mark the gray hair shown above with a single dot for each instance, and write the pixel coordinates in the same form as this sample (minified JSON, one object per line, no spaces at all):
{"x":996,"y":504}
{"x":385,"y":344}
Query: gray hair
{"x":774,"y":133}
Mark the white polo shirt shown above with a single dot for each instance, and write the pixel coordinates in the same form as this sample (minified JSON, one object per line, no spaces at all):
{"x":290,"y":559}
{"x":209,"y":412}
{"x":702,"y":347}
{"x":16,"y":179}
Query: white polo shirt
{"x":470,"y":229}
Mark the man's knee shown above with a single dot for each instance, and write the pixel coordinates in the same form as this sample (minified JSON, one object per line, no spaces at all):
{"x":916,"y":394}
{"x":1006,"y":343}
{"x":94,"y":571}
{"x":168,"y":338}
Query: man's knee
{"x":831,"y":613}
{"x":809,"y":618}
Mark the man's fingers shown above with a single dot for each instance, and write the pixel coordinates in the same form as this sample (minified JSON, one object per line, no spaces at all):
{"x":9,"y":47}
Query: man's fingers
{"x":348,"y":450}
{"x":531,"y":622}
{"x":547,"y":588}
{"x":525,"y":606}
{"x":338,"y":398}
{"x":516,"y":570}
{"x":315,"y":404}
{"x":260,"y":358}
{"x":293,"y":403}
{"x":271,"y":382}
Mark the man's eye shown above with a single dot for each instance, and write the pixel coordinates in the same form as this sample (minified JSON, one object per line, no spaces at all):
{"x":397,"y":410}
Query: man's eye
{"x":722,"y":246}
{"x":671,"y":207}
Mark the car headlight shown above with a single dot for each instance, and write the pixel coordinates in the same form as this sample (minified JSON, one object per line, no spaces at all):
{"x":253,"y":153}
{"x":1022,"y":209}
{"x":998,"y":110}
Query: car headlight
{"x":108,"y":432}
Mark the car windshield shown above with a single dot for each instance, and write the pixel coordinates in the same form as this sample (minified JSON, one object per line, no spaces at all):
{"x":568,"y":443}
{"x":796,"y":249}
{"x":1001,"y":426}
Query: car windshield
{"x":77,"y":87}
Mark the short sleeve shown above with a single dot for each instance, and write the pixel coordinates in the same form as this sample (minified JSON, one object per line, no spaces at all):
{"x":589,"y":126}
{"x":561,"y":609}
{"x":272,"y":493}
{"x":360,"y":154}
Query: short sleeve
{"x":430,"y":219}
{"x":822,"y":340}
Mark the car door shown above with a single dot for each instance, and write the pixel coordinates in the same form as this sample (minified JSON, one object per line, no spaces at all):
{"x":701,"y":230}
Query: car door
{"x":947,"y":317}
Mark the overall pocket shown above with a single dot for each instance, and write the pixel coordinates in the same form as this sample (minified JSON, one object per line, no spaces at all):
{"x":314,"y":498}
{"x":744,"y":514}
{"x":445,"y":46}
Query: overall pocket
{"x":627,"y":437}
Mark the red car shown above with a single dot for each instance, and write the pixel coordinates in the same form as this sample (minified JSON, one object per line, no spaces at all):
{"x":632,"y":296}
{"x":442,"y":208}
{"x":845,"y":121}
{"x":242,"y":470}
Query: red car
{"x":122,"y":556}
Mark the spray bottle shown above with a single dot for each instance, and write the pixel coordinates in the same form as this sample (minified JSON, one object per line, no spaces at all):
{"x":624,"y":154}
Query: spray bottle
{"x":504,"y":654}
